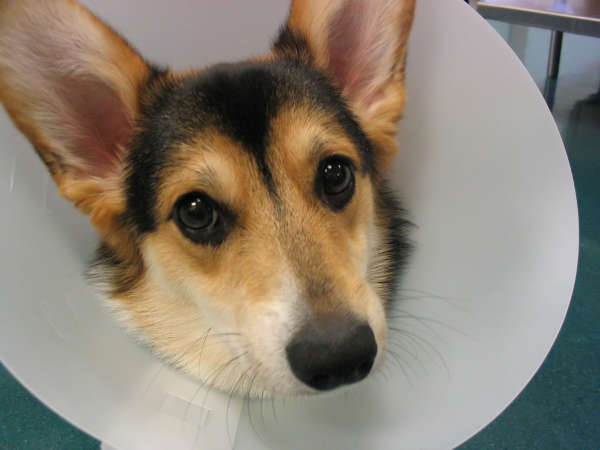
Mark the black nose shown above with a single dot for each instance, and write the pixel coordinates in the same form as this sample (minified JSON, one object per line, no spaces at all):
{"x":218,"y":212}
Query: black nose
{"x":328,"y":353}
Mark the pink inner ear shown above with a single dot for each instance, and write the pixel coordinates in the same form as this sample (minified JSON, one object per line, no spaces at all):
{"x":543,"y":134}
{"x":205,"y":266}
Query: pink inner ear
{"x":357,"y":46}
{"x":98,"y":125}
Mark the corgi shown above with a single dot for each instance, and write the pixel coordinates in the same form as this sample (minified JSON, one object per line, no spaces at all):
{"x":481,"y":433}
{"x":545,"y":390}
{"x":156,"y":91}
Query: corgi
{"x":247,"y":232}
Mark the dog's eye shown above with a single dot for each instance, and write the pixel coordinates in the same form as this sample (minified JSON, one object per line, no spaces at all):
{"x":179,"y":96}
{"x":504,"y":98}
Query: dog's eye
{"x":200,"y":218}
{"x":335,"y":181}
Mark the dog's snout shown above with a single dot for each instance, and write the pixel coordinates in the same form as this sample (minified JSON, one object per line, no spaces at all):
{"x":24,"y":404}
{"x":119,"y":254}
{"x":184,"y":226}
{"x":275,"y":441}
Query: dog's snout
{"x":332,"y":352}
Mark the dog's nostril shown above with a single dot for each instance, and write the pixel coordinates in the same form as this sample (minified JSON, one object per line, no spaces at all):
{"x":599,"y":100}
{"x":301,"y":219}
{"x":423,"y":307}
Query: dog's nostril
{"x":365,"y":368}
{"x":360,"y":371}
{"x":332,"y":352}
{"x":323,"y":381}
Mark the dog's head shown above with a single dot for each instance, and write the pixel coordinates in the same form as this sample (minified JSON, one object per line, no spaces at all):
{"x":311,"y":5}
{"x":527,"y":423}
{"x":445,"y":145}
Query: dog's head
{"x":247,"y":233}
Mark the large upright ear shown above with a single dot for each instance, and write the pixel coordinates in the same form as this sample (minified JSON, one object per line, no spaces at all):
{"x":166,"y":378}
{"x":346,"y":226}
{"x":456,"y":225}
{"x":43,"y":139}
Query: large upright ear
{"x":72,"y":87}
{"x":361,"y":45}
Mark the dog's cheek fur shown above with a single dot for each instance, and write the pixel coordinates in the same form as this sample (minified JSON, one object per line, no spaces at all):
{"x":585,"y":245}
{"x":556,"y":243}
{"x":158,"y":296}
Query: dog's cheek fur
{"x":249,"y":328}
{"x":158,"y":313}
{"x":393,"y":247}
{"x":216,"y":288}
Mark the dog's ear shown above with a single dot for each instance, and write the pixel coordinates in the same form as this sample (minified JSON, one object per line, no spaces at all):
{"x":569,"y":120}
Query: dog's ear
{"x":72,"y":87}
{"x":361,"y":45}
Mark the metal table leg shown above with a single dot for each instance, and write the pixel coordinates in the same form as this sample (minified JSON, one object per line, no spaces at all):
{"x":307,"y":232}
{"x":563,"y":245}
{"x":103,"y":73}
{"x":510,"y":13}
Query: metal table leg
{"x":554,"y":54}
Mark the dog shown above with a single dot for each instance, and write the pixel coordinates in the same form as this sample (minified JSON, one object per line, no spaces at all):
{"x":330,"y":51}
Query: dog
{"x":247,"y":232}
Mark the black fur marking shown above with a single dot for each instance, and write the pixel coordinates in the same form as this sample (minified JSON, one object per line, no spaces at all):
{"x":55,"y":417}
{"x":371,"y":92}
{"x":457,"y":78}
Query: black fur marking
{"x":241,"y":100}
{"x":149,"y":151}
{"x":291,"y":44}
{"x":396,"y":245}
{"x":112,"y":274}
{"x":155,"y":74}
{"x":238,"y":99}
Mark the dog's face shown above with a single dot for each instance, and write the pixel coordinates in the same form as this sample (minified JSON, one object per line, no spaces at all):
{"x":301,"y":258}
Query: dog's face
{"x":247,"y":233}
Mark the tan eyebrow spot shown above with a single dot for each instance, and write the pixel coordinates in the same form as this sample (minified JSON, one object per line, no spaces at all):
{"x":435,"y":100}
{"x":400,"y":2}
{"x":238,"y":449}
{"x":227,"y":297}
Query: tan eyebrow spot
{"x":301,"y":136}
{"x":212,"y":163}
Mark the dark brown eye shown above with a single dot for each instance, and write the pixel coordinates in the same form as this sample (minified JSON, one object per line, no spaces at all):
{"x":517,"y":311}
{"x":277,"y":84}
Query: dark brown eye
{"x":200,"y":218}
{"x":335,"y":181}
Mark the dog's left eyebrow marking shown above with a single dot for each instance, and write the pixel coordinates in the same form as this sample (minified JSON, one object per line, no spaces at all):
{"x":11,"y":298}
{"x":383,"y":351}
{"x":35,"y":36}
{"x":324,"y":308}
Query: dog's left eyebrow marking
{"x":241,"y":99}
{"x":238,"y":99}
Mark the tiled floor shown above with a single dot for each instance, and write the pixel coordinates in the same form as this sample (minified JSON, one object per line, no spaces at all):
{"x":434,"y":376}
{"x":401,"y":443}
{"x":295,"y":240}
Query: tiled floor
{"x":560,"y":407}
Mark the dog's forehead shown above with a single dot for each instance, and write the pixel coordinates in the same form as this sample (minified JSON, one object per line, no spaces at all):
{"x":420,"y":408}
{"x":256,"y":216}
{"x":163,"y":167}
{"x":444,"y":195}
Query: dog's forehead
{"x":242,"y":101}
